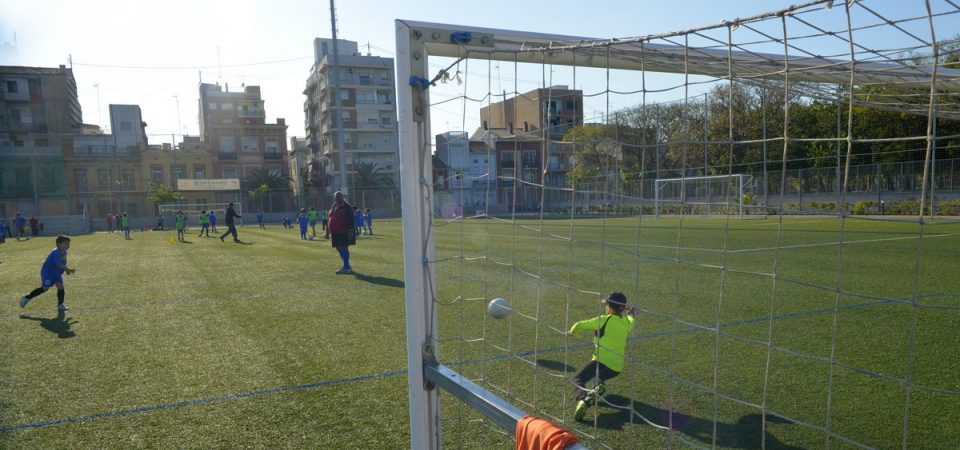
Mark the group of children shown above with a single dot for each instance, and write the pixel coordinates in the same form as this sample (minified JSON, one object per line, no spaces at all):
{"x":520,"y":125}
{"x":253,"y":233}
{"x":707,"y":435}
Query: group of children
{"x":19,"y":228}
{"x":121,"y":222}
{"x":362,"y":222}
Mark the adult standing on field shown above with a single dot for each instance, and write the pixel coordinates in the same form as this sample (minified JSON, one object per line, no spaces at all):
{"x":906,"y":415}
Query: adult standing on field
{"x":231,"y":227}
{"x":340,"y":225}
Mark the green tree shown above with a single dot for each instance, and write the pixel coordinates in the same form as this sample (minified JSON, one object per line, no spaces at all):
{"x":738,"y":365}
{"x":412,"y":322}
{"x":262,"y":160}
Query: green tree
{"x":371,"y":177}
{"x":162,"y":195}
{"x":274,"y":179}
{"x":258,"y":193}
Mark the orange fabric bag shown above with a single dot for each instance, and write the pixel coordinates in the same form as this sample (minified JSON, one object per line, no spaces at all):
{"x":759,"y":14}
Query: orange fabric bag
{"x":534,"y":433}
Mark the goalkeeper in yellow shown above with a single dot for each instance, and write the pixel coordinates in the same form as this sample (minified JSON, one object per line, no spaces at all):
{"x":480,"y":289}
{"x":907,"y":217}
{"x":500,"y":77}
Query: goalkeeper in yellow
{"x":610,"y":341}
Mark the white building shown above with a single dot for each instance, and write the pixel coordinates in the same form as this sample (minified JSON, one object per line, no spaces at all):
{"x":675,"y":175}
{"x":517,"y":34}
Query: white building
{"x":368,"y":115}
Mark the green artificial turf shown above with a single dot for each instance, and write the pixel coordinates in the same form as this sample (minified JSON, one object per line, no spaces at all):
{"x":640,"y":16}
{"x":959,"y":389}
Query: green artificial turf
{"x":222,"y":345}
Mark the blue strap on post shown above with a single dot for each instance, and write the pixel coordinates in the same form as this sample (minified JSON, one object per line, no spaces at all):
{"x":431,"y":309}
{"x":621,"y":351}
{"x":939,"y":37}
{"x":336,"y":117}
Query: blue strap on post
{"x":461,"y":37}
{"x":421,"y":83}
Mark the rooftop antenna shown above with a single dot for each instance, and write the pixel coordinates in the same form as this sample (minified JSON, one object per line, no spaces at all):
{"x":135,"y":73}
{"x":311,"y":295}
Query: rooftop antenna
{"x":219,"y":67}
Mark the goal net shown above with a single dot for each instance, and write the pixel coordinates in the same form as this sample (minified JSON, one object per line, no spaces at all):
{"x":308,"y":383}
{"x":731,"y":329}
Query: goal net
{"x":822,"y":322}
{"x":718,"y":194}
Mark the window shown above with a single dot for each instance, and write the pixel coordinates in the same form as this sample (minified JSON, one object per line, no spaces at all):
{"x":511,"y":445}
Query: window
{"x":365,"y":78}
{"x":177,"y":173}
{"x":80,"y":180}
{"x":385,"y":120}
{"x":506,"y":159}
{"x":344,"y":94}
{"x":125,"y":125}
{"x":15,"y":114}
{"x":199,"y":172}
{"x":229,"y":172}
{"x":156,"y":173}
{"x":103,"y":178}
{"x":529,"y":158}
{"x":272,"y":145}
{"x":570,"y":105}
{"x":346,"y":116}
{"x":11,"y":86}
{"x":227,"y":144}
{"x":250,"y":143}
{"x":128,"y":179}
{"x":212,"y":106}
{"x":227,"y":106}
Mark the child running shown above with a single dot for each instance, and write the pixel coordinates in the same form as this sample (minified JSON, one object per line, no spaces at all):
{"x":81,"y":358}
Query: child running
{"x":51,"y":274}
{"x":610,"y":332}
{"x":260,"y":219}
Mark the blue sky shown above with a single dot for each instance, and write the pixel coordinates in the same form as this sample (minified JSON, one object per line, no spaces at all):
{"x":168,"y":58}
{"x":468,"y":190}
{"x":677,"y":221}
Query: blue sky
{"x":155,"y":53}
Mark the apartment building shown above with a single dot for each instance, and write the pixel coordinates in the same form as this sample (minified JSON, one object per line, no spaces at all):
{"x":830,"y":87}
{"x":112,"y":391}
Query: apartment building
{"x":244,"y":145}
{"x":368,"y":110}
{"x":39,"y":110}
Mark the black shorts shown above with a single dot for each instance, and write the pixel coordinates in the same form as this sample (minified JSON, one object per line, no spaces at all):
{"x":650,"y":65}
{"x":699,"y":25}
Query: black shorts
{"x":343,"y":239}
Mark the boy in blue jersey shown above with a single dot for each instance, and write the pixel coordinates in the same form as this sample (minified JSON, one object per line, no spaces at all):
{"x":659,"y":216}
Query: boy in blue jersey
{"x":260,"y":219}
{"x":181,"y":224}
{"x":213,"y":221}
{"x":358,"y":221}
{"x":303,"y":219}
{"x":610,"y":332}
{"x":51,"y":274}
{"x":368,"y":221}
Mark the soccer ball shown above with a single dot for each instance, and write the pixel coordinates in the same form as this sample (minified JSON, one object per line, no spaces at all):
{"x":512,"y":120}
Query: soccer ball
{"x":498,"y":308}
{"x":311,"y":237}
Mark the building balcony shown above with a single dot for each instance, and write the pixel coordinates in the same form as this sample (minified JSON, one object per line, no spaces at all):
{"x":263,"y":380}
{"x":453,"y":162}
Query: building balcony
{"x":272,"y":155}
{"x":228,"y":155}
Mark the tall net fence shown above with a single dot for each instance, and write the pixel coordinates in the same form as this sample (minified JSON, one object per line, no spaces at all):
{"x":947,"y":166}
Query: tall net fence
{"x":821,"y":318}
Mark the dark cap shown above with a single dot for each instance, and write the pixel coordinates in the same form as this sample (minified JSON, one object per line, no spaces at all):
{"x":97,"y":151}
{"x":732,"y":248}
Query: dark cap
{"x":616,"y":300}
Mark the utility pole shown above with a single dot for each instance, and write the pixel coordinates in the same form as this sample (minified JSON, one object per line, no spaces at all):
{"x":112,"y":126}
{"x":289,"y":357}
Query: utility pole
{"x":341,"y":156}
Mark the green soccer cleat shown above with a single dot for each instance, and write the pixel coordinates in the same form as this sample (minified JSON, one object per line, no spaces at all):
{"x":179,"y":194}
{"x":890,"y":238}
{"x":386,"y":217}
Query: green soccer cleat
{"x":595,"y":394}
{"x":581,"y":410}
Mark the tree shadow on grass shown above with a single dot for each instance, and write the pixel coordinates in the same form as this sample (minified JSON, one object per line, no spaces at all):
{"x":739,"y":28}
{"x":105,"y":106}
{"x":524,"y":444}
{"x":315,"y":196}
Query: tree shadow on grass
{"x":745,"y":433}
{"x":555,"y":365}
{"x":383,"y":281}
{"x":59,"y":325}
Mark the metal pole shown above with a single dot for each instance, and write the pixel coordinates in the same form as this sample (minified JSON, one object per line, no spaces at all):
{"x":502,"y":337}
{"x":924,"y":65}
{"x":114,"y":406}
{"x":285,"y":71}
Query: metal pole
{"x":933,"y":172}
{"x":341,"y":157}
{"x":416,"y":187}
{"x":763,"y":120}
{"x":839,"y":144}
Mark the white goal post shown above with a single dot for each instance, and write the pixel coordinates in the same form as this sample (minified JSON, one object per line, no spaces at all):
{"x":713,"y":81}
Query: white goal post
{"x":706,"y":192}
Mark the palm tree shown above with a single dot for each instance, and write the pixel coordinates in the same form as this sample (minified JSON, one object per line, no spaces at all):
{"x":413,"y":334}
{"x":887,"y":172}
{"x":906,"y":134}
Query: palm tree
{"x":273,"y":179}
{"x":370,"y":176}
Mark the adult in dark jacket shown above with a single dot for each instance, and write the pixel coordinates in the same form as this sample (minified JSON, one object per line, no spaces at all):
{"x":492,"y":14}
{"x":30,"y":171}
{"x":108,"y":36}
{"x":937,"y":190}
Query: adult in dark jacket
{"x":340,"y":223}
{"x":231,"y":227}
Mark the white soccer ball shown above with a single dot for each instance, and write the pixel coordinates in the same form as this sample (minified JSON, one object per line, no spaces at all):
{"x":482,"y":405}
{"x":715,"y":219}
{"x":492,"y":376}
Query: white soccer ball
{"x":498,"y":308}
{"x":311,"y":237}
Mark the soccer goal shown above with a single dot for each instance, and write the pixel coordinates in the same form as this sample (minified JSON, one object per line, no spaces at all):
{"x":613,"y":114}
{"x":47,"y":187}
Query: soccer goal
{"x":703,"y":195}
{"x":168,"y":212}
{"x":821,"y":324}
